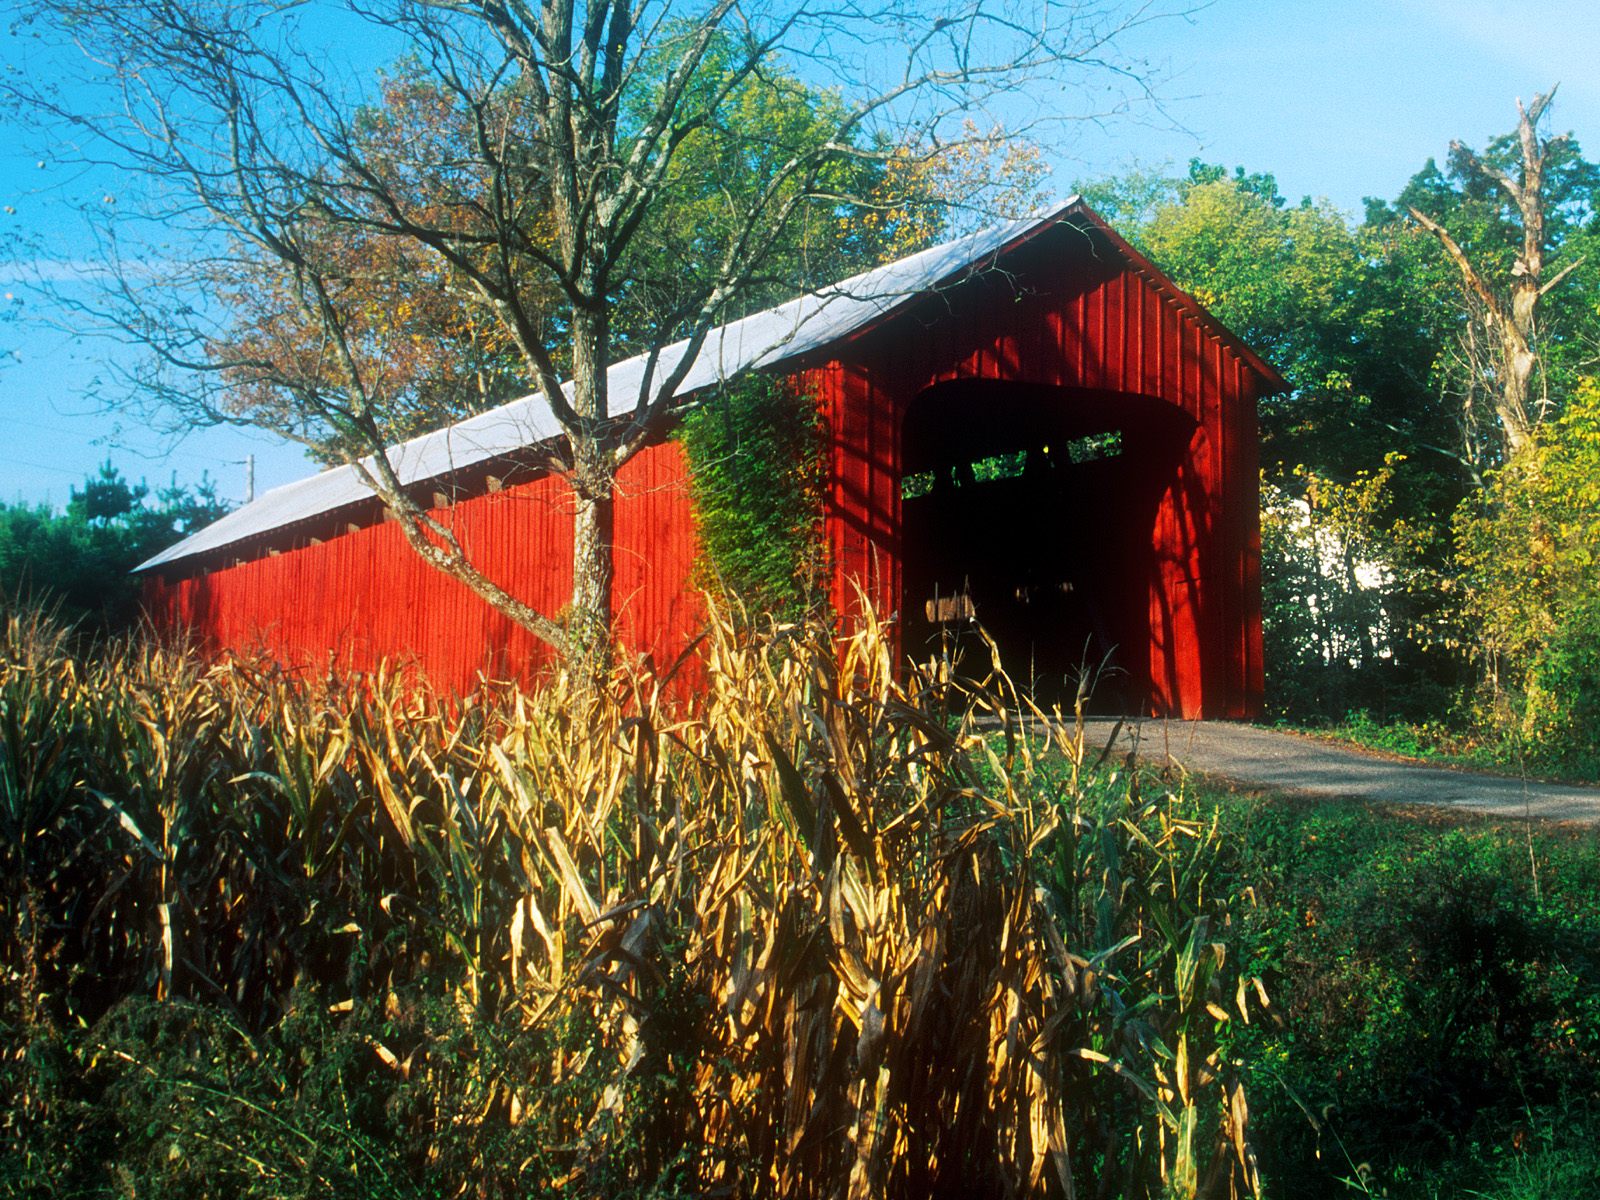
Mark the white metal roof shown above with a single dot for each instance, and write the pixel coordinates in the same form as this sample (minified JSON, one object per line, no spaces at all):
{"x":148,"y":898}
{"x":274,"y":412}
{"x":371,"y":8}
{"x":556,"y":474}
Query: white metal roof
{"x":762,"y":340}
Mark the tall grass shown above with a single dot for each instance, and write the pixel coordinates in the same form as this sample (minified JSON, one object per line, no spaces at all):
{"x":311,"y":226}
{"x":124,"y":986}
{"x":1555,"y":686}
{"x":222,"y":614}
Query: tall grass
{"x":828,"y":932}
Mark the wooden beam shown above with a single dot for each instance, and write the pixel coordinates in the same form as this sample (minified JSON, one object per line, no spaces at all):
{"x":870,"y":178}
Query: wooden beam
{"x":950,"y":608}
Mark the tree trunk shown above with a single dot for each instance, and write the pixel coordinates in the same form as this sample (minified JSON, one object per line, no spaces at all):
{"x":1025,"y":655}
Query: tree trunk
{"x":1520,"y":362}
{"x":589,"y":627}
{"x":593,"y":480}
{"x":1515,"y":324}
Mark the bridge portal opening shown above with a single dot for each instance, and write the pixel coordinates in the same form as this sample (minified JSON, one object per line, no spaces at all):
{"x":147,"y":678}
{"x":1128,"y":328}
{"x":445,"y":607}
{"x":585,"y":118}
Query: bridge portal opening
{"x":1029,"y":510}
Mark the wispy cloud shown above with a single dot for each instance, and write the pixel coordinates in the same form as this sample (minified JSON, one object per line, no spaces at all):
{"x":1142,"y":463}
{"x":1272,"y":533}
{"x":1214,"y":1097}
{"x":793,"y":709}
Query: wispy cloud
{"x":36,"y":271}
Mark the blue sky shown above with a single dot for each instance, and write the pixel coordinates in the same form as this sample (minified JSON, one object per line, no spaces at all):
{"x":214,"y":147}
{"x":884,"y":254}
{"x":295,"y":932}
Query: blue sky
{"x":1343,"y":100}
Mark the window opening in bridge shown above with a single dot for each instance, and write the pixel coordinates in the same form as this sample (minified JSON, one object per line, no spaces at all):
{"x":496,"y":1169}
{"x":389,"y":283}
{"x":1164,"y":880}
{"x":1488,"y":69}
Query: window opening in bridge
{"x":916,"y":484}
{"x":1013,"y":464}
{"x":1095,"y":446}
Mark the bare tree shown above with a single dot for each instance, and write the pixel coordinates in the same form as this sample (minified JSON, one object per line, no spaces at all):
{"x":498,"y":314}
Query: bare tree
{"x":574,"y":124}
{"x":1508,"y":312}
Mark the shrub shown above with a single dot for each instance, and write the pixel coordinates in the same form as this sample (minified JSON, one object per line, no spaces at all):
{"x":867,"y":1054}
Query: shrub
{"x":1530,"y":554}
{"x":756,"y":463}
{"x":1437,"y":997}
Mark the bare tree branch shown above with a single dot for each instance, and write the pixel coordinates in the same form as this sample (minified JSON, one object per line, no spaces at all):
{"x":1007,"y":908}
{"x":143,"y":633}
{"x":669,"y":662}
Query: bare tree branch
{"x":1511,"y":312}
{"x":534,"y":202}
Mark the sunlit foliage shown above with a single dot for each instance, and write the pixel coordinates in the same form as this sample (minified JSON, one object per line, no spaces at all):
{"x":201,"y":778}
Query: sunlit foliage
{"x":1532,"y":556}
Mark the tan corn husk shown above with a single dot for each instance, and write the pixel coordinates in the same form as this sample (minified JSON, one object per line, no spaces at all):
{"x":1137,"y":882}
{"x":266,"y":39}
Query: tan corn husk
{"x":891,"y":936}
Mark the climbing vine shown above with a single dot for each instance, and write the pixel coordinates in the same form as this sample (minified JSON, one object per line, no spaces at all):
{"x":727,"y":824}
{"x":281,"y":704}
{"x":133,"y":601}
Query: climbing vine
{"x":756,"y":470}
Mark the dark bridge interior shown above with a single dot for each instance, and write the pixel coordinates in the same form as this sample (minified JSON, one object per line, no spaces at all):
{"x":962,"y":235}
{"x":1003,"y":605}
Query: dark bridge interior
{"x":1030,"y":509}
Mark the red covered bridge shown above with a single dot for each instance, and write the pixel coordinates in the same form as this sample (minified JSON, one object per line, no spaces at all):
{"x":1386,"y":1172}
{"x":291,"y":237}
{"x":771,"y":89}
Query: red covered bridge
{"x":1031,"y":425}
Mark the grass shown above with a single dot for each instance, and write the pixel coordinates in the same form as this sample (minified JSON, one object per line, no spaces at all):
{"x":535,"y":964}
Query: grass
{"x":1448,"y":744}
{"x":1551,"y":1157}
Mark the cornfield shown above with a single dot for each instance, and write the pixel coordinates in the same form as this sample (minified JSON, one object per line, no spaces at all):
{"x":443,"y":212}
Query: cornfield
{"x":827,"y":932}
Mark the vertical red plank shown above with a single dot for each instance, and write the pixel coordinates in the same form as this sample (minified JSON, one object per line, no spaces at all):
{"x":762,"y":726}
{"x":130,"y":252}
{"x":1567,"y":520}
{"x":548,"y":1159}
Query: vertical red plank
{"x":654,"y":555}
{"x":1116,"y":332}
{"x":836,"y":519}
{"x":1079,"y":325}
{"x":885,"y":499}
{"x":1249,"y":468}
{"x":1234,"y":518}
{"x":1136,"y":316}
{"x":1154,"y":309}
{"x":365,"y":597}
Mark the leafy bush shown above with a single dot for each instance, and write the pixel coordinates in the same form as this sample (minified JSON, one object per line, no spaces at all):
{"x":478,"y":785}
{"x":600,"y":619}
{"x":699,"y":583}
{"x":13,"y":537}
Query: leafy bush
{"x":1424,"y":739}
{"x":756,"y":468}
{"x":1438,"y":999}
{"x":1552,"y":1155}
{"x":1532,"y":555}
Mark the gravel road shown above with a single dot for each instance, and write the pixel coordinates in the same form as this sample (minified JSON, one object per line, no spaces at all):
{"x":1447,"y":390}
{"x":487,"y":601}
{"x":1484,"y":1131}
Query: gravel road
{"x":1289,"y":762}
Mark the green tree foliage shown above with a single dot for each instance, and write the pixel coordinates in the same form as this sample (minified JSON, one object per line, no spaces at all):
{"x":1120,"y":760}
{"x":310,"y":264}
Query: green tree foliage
{"x":1321,"y":299}
{"x":1515,"y":235}
{"x":756,"y":468}
{"x":1532,"y":561}
{"x":79,"y":560}
{"x":1350,"y":559}
{"x":718,"y":173}
{"x":1386,"y":431}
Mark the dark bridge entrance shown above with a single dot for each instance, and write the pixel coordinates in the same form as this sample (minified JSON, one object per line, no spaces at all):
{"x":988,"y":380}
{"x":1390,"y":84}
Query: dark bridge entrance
{"x":1029,"y":509}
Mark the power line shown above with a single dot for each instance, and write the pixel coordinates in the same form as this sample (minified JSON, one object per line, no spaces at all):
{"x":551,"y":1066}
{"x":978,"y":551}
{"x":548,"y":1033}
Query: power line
{"x":19,"y":462}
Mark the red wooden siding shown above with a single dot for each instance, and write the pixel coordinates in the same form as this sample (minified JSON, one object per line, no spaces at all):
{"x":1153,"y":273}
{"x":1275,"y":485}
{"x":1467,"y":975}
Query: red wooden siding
{"x":362,"y":597}
{"x":659,"y":610}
